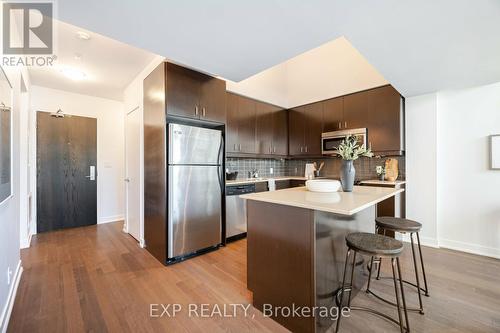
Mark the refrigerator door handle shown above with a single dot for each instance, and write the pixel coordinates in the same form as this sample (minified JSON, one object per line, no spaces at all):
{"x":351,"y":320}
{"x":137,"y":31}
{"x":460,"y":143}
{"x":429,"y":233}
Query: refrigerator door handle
{"x":220,"y":158}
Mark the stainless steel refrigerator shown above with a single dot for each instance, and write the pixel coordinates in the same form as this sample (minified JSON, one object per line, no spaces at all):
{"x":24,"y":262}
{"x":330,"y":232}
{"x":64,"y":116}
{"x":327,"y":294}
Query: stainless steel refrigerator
{"x":195,"y":189}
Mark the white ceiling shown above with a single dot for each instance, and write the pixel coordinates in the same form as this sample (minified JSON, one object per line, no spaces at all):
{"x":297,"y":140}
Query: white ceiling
{"x":109,"y":65}
{"x":418,"y":46}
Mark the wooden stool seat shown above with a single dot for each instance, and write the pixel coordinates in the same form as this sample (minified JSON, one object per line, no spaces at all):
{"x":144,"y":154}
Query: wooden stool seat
{"x":398,"y":224}
{"x":374,"y":245}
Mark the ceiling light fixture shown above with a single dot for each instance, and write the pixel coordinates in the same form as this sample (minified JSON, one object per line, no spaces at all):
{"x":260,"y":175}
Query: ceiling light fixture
{"x":83,"y":35}
{"x":73,"y":73}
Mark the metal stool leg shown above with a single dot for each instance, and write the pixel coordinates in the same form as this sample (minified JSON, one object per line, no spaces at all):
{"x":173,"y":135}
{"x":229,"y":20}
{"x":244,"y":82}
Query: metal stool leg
{"x":398,"y":306}
{"x":403,"y":295}
{"x":416,"y":274}
{"x":352,"y":279}
{"x":370,"y":275}
{"x":342,"y":291}
{"x":422,"y":264}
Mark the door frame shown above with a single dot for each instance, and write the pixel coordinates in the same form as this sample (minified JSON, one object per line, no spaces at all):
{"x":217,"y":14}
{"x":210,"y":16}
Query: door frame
{"x":34,"y":169}
{"x":141,"y":241}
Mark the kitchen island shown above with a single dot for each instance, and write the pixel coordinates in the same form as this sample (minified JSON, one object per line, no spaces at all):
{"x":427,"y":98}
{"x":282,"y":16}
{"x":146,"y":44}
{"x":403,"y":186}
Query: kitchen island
{"x":296,"y":249}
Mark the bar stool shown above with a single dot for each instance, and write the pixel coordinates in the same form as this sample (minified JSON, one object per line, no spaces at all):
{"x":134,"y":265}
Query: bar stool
{"x":380,"y":246}
{"x":403,"y":226}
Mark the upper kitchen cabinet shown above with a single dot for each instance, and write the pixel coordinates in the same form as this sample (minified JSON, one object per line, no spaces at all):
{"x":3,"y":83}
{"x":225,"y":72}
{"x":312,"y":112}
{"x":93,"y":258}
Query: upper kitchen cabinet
{"x":333,"y":114}
{"x":296,"y":130}
{"x":194,"y":95}
{"x":305,"y":128}
{"x":380,"y":110}
{"x":255,"y":128}
{"x":240,"y":125}
{"x":264,"y":128}
{"x":280,"y":132}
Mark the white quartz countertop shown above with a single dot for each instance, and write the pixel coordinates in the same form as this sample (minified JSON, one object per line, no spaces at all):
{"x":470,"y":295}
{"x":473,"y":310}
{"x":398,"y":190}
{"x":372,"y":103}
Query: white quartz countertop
{"x":263,"y":179}
{"x":383,"y":182}
{"x":344,"y":203}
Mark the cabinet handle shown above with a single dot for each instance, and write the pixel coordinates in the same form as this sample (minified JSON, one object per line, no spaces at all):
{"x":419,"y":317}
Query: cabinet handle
{"x":274,"y":149}
{"x":203,"y":110}
{"x":306,"y":149}
{"x":345,"y":124}
{"x":301,"y":149}
{"x":270,"y":149}
{"x":234,"y":146}
{"x":340,"y":125}
{"x":196,"y":110}
{"x":240,"y":147}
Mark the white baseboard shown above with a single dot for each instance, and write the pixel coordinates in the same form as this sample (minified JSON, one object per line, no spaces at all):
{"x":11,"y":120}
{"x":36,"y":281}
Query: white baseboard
{"x":5,"y":317}
{"x":424,"y":241}
{"x":470,"y":248}
{"x":142,"y":243}
{"x":108,"y":219}
{"x":26,"y":243}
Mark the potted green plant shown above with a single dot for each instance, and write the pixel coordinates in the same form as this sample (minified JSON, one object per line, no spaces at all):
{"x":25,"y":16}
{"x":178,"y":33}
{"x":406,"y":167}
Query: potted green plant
{"x":380,"y":172}
{"x":350,"y":150}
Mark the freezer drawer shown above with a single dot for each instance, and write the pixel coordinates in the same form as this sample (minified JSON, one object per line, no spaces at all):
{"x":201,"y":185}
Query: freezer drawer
{"x":194,"y":208}
{"x":194,"y":145}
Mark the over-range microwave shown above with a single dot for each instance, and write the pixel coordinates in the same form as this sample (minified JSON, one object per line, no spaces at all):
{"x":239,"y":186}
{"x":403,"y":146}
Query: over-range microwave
{"x":331,"y":140}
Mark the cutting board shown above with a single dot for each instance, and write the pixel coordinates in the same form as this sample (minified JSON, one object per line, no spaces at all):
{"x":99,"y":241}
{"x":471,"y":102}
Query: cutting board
{"x":391,"y":169}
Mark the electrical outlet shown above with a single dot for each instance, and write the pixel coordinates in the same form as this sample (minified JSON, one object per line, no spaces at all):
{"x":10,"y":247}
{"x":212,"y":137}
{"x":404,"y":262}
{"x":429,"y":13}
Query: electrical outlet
{"x":271,"y":171}
{"x":9,"y":275}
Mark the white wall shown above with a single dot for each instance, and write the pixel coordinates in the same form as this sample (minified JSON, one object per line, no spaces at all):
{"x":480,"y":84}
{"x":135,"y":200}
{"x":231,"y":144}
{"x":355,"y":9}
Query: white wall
{"x":10,"y":221}
{"x":110,"y":142}
{"x":450,"y":187}
{"x":268,"y":86}
{"x":468,"y":191}
{"x":421,"y":164}
{"x":330,"y":70}
{"x":333,"y":69}
{"x":132,"y":99}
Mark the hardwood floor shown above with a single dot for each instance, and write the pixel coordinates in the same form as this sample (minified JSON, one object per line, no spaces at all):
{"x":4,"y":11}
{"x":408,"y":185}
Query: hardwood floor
{"x":96,"y":279}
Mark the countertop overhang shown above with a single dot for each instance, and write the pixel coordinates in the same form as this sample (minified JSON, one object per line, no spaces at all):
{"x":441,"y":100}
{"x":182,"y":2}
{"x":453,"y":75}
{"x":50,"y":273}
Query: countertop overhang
{"x":344,"y":203}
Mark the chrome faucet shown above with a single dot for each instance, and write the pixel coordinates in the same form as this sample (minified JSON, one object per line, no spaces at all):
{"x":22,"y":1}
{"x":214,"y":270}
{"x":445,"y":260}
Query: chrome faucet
{"x":253,"y":174}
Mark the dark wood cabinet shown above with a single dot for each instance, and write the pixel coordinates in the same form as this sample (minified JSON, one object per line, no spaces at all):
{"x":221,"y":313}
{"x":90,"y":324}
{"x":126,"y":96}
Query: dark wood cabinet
{"x":264,"y":128}
{"x":212,"y":99}
{"x":280,"y":132}
{"x":255,"y":128}
{"x":194,"y":95}
{"x":380,"y":110}
{"x":333,"y":114}
{"x":232,"y":123}
{"x":313,"y":129}
{"x":306,"y":126}
{"x":296,"y":131}
{"x":246,"y":125}
{"x":182,"y":91}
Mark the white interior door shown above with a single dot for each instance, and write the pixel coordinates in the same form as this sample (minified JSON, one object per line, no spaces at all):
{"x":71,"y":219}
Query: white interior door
{"x":132,"y":179}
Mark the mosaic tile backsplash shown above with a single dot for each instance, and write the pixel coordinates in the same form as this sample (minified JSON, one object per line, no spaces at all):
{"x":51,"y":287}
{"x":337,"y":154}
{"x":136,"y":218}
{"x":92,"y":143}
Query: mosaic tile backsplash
{"x":365,"y":167}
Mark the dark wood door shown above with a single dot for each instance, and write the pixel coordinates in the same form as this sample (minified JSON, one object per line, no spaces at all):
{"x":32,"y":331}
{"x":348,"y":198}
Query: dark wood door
{"x":333,"y":114}
{"x":280,"y":132}
{"x":246,"y":125}
{"x":232,"y":122}
{"x":183,"y":91}
{"x":313,"y":128}
{"x":264,"y":128}
{"x":66,"y":150}
{"x":296,"y":131}
{"x":213,"y":99}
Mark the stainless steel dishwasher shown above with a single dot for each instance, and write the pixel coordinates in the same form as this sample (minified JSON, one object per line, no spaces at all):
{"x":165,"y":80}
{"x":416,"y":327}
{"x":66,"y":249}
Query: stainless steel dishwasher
{"x":236,"y":211}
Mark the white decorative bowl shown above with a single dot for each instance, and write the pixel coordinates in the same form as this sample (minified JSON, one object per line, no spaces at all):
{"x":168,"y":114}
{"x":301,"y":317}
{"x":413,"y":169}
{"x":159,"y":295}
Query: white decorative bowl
{"x":323,"y":185}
